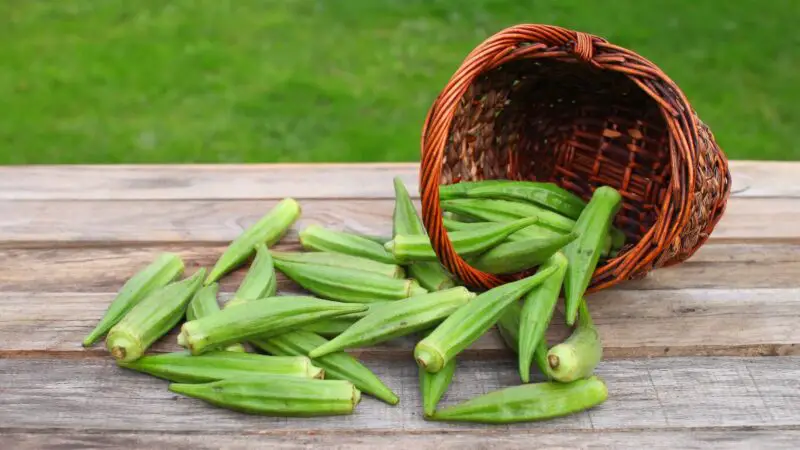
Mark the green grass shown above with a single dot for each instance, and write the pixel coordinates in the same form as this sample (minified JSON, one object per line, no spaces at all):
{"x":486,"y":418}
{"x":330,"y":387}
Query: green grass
{"x":113,"y":81}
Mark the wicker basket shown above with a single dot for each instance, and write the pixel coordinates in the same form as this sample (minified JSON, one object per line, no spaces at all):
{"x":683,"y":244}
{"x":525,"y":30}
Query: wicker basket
{"x":538,"y":102}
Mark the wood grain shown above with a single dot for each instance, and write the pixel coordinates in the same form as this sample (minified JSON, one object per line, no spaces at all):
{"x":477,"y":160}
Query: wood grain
{"x":631,"y":324}
{"x":274,"y":181}
{"x":49,"y":223}
{"x":654,"y":394}
{"x":729,"y":439}
{"x":104,"y":269}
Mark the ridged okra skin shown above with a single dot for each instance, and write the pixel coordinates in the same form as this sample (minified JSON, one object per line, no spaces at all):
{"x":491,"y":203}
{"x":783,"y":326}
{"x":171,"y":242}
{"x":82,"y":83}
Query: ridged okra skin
{"x":406,"y":221}
{"x":276,"y":395}
{"x":338,"y":365}
{"x":470,"y":321}
{"x":491,"y":209}
{"x":163,"y":270}
{"x":152,"y":318}
{"x":318,"y":238}
{"x":584,"y":252}
{"x":544,"y":194}
{"x":517,"y":256}
{"x":348,"y":285}
{"x":411,"y":248}
{"x":204,"y":303}
{"x":432,"y":386}
{"x":528,"y":402}
{"x":396,"y":319}
{"x":580,"y":353}
{"x":341,"y":260}
{"x":260,"y":281}
{"x":268,"y":230}
{"x":537,"y":310}
{"x":262,"y":317}
{"x":509,"y":326}
{"x":182,"y":367}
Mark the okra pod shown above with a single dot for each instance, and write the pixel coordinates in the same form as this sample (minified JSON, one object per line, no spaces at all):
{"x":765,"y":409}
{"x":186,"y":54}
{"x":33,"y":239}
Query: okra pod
{"x":151,"y":318}
{"x":330,"y":327}
{"x":164,"y":269}
{"x":584,"y":252}
{"x":469,"y":322}
{"x":398,"y":318}
{"x":262,"y":317}
{"x":277,"y":395}
{"x":341,"y":260}
{"x":348,"y":285}
{"x":547,"y":195}
{"x":528,"y":402}
{"x":513,"y":257}
{"x":432,"y":386}
{"x":405,"y":220}
{"x":516,"y":210}
{"x":579,"y":354}
{"x":181,"y":367}
{"x":268,"y":230}
{"x":317,"y":238}
{"x":537,"y":310}
{"x":339,"y":365}
{"x":408,"y":248}
{"x":260,"y":281}
{"x":509,"y":324}
{"x":205,"y":303}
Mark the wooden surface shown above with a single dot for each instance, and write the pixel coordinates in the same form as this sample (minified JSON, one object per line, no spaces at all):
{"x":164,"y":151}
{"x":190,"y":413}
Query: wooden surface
{"x":702,"y":355}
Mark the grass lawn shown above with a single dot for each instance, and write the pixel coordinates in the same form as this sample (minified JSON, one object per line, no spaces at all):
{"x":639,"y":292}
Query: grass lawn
{"x":113,"y":81}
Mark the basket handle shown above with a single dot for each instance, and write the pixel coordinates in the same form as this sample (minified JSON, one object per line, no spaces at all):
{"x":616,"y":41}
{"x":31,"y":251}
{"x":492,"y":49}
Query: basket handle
{"x":547,"y":41}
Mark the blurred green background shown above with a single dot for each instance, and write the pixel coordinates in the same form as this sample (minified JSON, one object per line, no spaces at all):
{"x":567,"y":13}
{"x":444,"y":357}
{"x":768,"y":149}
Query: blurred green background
{"x":113,"y":81}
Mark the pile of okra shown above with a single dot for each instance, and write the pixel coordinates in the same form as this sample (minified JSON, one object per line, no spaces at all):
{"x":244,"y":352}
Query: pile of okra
{"x":285,"y":355}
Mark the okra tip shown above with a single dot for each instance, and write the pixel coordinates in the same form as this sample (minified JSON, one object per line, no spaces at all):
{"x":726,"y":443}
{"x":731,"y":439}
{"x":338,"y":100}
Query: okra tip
{"x":189,"y":389}
{"x":428,"y":358}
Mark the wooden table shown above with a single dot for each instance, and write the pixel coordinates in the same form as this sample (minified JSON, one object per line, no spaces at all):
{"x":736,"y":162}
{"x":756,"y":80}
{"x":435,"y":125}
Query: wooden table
{"x":700,"y":355}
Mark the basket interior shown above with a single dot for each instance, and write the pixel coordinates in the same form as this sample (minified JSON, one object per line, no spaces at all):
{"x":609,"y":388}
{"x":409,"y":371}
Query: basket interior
{"x":565,"y":122}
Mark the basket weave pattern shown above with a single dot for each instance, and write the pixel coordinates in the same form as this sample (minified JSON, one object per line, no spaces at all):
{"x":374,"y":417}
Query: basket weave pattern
{"x":538,"y":102}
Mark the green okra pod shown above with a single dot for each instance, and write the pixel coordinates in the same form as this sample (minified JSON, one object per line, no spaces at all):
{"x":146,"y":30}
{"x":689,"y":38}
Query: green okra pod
{"x":181,"y":367}
{"x":537,"y":310}
{"x":513,"y":210}
{"x":577,"y":356}
{"x":341,"y":260}
{"x":339,"y":365}
{"x":151,"y":318}
{"x":260,"y":281}
{"x":398,"y":318}
{"x":262,"y":317}
{"x":584,"y":252}
{"x":318,"y":238}
{"x":513,"y":257}
{"x":268,"y":230}
{"x":469,"y":322}
{"x":509,"y":324}
{"x":330,"y":327}
{"x":164,"y":269}
{"x":547,"y":195}
{"x":205,"y":303}
{"x":406,"y":221}
{"x":432,"y":386}
{"x":348,"y":285}
{"x":277,"y":395}
{"x":528,"y":402}
{"x":410,"y":248}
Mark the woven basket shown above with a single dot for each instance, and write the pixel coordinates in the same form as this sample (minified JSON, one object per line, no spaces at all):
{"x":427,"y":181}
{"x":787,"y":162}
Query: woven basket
{"x":538,"y":102}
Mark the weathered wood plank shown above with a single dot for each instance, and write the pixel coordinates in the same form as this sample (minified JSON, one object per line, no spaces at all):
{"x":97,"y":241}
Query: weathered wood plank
{"x":631,"y":323}
{"x":272,"y":181}
{"x":663,"y":393}
{"x":221,"y":221}
{"x":730,"y":439}
{"x":105,"y":269}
